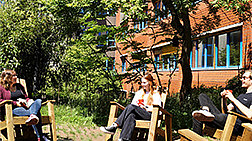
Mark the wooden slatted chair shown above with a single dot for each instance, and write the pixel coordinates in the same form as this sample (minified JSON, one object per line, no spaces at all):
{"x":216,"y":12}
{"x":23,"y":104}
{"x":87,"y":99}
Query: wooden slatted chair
{"x":153,"y":126}
{"x":10,"y":123}
{"x":223,"y":135}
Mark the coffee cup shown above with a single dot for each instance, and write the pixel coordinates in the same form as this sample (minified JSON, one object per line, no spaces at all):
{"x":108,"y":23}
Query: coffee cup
{"x":140,"y":102}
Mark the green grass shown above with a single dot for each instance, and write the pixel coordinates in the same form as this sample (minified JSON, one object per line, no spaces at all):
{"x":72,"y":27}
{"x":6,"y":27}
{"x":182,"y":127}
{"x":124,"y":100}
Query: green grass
{"x":66,"y":115}
{"x":72,"y":124}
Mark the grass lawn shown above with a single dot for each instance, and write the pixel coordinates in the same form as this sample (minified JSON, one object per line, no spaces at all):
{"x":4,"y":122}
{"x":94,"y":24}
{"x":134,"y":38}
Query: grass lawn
{"x":72,"y":125}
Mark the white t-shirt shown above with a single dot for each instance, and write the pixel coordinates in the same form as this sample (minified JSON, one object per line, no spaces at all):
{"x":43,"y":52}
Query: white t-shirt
{"x":156,"y":99}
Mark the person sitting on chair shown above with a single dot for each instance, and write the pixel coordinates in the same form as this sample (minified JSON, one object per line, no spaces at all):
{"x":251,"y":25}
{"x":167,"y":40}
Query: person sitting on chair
{"x":139,"y":109}
{"x":212,"y":117}
{"x":10,"y":90}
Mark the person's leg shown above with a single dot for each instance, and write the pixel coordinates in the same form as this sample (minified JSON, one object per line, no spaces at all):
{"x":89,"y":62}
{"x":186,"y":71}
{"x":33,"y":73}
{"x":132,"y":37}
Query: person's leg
{"x":197,"y":126}
{"x":140,"y":114}
{"x":129,"y":120}
{"x":35,"y":107}
{"x":128,"y":127}
{"x":218,"y":122}
{"x":111,"y":129}
{"x":20,"y":111}
{"x":32,"y":120}
{"x":38,"y":127}
{"x":122,"y":120}
{"x":206,"y":101}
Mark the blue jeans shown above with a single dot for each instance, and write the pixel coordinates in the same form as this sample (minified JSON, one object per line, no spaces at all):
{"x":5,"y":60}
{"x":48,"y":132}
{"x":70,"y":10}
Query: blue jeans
{"x":34,"y":109}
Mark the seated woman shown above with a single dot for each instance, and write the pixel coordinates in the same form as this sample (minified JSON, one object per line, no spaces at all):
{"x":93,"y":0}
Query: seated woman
{"x":10,"y":90}
{"x":139,"y":109}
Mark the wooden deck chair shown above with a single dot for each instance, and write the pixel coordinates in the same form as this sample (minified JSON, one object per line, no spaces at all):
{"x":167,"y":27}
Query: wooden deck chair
{"x":153,"y":126}
{"x":15,"y":125}
{"x":223,"y":135}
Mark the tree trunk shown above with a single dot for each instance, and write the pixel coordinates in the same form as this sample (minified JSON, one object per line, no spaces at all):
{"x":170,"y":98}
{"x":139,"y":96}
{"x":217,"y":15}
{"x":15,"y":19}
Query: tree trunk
{"x":186,"y":86}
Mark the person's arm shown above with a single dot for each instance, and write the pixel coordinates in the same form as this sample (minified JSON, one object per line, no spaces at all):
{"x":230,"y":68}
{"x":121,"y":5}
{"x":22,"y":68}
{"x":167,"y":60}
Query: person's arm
{"x":245,"y":110}
{"x":224,"y":105}
{"x":156,"y":101}
{"x":136,"y":97}
{"x":6,"y":95}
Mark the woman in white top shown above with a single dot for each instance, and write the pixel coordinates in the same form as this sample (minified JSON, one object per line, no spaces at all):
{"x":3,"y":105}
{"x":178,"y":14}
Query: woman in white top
{"x":140,"y":108}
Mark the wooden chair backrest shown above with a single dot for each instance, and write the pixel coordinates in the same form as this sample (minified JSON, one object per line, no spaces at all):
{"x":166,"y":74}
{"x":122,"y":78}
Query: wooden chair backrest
{"x":22,"y":82}
{"x":163,"y":99}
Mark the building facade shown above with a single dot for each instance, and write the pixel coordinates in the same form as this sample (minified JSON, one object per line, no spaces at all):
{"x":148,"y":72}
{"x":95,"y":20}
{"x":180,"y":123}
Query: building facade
{"x":221,"y":49}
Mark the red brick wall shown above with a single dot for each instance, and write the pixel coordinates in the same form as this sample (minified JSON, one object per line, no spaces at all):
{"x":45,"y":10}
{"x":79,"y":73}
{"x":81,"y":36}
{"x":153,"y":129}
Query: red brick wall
{"x":211,"y":77}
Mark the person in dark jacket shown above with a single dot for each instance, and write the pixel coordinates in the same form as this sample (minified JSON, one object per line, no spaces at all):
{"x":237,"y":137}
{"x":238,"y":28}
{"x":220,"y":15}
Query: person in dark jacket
{"x":212,"y":117}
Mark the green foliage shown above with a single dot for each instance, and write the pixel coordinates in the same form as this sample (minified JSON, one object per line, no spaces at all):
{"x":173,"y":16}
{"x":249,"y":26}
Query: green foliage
{"x":89,"y":83}
{"x":33,"y":36}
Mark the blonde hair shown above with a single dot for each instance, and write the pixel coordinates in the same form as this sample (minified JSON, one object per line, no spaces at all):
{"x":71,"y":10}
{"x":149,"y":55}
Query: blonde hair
{"x":6,"y":79}
{"x":150,"y":79}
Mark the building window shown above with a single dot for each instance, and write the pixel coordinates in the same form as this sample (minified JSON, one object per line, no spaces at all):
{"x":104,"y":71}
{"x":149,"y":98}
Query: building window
{"x":157,"y":61}
{"x":220,"y":51}
{"x":123,"y":59}
{"x":169,"y":62}
{"x":234,"y":45}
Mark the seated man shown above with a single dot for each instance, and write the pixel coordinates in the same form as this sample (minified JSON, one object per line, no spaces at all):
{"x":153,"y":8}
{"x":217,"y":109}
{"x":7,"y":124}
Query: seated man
{"x":212,"y":117}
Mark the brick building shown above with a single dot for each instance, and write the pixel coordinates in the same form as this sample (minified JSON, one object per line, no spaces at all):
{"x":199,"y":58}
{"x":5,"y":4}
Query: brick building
{"x":221,"y":48}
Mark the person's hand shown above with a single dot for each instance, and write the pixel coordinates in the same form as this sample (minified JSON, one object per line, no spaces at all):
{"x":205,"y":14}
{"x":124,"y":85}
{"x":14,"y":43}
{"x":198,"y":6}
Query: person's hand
{"x":19,"y":104}
{"x":223,"y":93}
{"x":142,"y":106}
{"x":229,"y":95}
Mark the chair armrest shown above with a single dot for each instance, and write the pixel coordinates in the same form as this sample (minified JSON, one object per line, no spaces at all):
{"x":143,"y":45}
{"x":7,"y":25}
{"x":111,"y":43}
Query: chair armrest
{"x":4,"y":102}
{"x":117,"y":104}
{"x":239,"y":115}
{"x":163,"y":110}
{"x":52,"y":101}
{"x":247,"y":125}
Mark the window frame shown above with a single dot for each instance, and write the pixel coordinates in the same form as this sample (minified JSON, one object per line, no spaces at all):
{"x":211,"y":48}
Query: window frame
{"x":215,"y":54}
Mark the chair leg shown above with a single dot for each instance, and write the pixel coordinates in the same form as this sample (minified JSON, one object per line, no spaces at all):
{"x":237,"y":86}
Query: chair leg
{"x":9,"y":122}
{"x":53,"y":124}
{"x":168,"y":128}
{"x":112,"y":114}
{"x":153,"y":126}
{"x":228,"y":129}
{"x":3,"y":134}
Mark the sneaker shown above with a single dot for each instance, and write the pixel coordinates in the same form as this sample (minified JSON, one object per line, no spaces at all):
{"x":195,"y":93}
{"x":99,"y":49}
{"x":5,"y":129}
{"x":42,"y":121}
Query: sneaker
{"x":110,"y":129}
{"x":203,"y":115}
{"x":32,"y":120}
